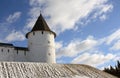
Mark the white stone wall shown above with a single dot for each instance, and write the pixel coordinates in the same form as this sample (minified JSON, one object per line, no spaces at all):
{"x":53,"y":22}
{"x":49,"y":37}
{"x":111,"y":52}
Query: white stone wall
{"x":20,"y":55}
{"x":6,"y":53}
{"x":41,"y":46}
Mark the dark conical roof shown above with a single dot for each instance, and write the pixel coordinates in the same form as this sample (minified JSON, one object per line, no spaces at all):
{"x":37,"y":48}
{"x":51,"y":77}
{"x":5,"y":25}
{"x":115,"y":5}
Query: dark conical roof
{"x":40,"y":25}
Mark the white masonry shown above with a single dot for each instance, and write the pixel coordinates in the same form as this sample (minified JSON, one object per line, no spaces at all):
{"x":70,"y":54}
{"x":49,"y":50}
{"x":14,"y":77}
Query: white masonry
{"x":41,"y":46}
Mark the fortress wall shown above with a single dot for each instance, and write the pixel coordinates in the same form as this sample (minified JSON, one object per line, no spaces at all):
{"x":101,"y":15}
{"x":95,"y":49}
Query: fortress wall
{"x":6,"y":53}
{"x":20,"y":55}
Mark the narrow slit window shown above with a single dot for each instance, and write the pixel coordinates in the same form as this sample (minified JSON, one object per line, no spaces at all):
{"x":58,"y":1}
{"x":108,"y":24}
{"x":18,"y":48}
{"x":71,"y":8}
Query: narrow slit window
{"x":8,"y":50}
{"x":42,"y":32}
{"x":25,"y":53}
{"x":48,"y":41}
{"x":2,"y":50}
{"x":33,"y":33}
{"x":49,"y":54}
{"x":17,"y":51}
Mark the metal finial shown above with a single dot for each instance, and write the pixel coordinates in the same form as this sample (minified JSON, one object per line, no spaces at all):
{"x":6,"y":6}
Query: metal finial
{"x":40,"y":12}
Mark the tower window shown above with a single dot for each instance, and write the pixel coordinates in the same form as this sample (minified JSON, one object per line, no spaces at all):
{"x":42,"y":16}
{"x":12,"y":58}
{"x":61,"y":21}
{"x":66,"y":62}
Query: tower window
{"x":25,"y":53}
{"x":17,"y":51}
{"x":2,"y":50}
{"x":49,"y":54}
{"x":42,"y":32}
{"x":48,"y":41}
{"x":8,"y":50}
{"x":33,"y":33}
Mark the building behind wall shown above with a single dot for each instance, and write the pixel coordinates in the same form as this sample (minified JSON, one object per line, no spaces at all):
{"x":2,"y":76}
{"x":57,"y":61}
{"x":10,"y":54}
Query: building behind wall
{"x":41,"y":47}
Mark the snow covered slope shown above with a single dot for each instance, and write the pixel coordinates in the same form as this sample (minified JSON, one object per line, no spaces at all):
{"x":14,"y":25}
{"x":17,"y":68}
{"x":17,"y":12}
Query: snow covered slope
{"x":44,"y":70}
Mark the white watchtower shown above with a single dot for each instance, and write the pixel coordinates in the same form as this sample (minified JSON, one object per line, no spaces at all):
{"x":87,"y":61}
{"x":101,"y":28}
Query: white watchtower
{"x":41,"y":44}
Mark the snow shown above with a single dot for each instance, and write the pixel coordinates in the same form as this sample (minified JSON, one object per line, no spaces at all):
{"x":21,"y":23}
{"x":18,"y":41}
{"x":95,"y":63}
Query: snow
{"x":44,"y":70}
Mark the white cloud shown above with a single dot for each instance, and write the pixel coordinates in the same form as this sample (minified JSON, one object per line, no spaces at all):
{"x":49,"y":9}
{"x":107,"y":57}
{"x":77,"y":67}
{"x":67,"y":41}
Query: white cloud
{"x":103,"y":10}
{"x":117,"y":57}
{"x":116,"y":46}
{"x":15,"y":36}
{"x":93,"y":59}
{"x":58,"y":45}
{"x":86,"y":51}
{"x":13,"y":17}
{"x":76,"y":47}
{"x":6,"y":25}
{"x":64,"y":14}
{"x":103,"y":17}
{"x":113,"y":37}
{"x":112,"y":40}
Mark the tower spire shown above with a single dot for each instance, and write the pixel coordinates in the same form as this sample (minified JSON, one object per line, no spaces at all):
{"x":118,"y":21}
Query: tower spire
{"x":41,"y":25}
{"x":40,"y":12}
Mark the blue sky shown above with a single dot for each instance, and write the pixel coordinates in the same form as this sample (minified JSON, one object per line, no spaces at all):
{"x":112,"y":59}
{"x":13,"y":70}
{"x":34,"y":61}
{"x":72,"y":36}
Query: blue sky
{"x":88,"y":32}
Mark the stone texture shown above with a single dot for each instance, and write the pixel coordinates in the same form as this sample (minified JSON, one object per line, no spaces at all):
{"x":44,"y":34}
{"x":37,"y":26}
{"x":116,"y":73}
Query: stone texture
{"x":44,"y":70}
